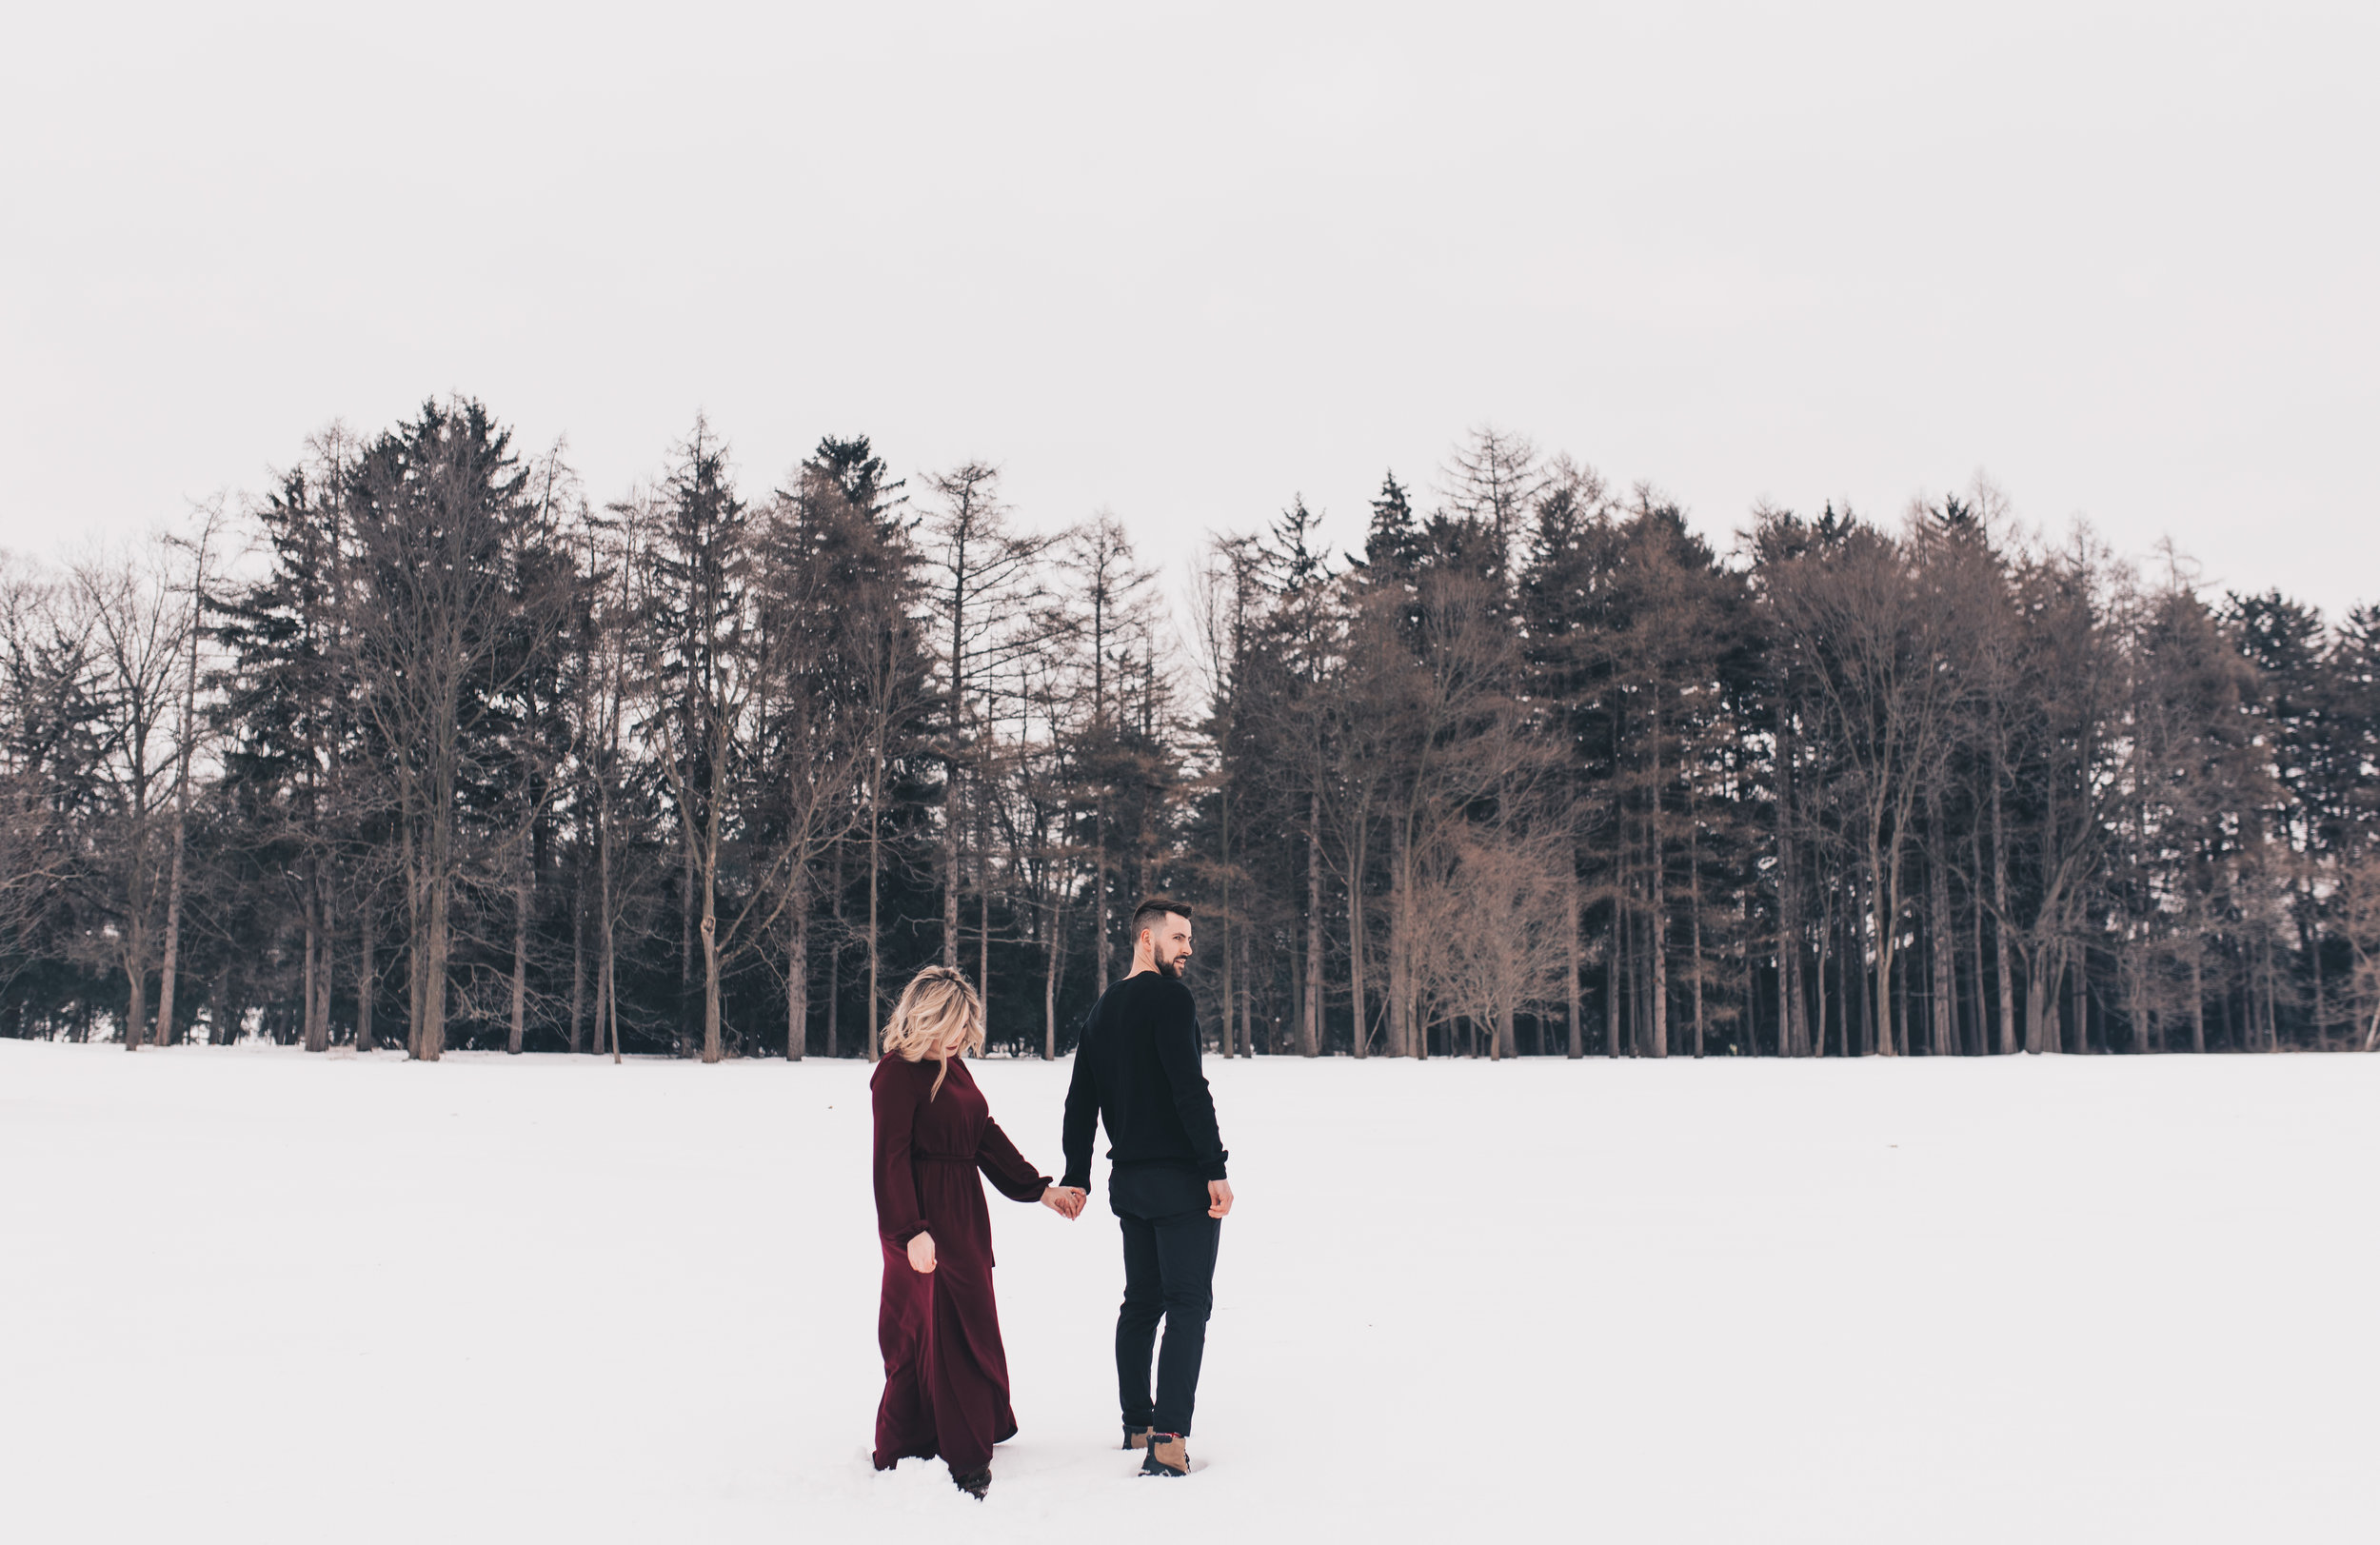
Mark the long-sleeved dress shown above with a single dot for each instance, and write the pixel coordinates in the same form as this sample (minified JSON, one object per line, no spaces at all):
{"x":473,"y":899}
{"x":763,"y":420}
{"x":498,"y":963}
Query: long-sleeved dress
{"x":945,"y":1374}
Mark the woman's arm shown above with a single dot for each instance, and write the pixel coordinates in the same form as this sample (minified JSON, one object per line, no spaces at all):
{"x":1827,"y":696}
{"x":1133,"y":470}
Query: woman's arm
{"x":1005,"y":1167}
{"x":898,"y":1215}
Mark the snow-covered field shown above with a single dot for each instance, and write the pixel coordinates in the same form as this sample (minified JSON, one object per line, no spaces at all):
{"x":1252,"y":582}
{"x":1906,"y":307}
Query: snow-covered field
{"x":257,"y":1296}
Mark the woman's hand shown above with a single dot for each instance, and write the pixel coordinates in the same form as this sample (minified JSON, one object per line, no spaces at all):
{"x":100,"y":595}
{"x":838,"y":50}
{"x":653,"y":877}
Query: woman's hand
{"x":1065,"y":1200}
{"x":921,"y":1252}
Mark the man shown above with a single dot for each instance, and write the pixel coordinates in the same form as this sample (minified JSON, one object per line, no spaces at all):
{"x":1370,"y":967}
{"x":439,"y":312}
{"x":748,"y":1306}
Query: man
{"x":1138,"y":1070}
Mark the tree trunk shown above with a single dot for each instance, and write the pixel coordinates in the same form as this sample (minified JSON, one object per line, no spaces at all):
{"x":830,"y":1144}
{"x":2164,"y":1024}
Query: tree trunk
{"x":1657,"y":919}
{"x":950,"y":857}
{"x":834,"y":963}
{"x":875,"y":880}
{"x":1571,"y":965}
{"x":416,"y":940}
{"x":2080,"y":992}
{"x":1052,"y":963}
{"x":1310,"y":1021}
{"x":604,"y":1018}
{"x":2197,"y":998}
{"x":797,"y":965}
{"x":712,"y":1050}
{"x":1792,"y":1029}
{"x":1826,"y":948}
{"x":2040,"y":1002}
{"x":1882,"y":892}
{"x":367,"y":973}
{"x":1981,"y":1044}
{"x":1362,"y":1027}
{"x":687,"y":923}
{"x":1247,"y":1002}
{"x":169,"y":975}
{"x":1401,"y":1039}
{"x":2003,"y":968}
{"x":319,"y":935}
{"x":1614,"y":969}
{"x":577,"y":968}
{"x":1227,"y":1036}
{"x":1693,"y":907}
{"x":606,"y":1006}
{"x":2271,"y":1007}
{"x":1854,"y":959}
{"x":959,"y":576}
{"x":2135,"y":996}
{"x":1098,"y":892}
{"x":136,"y":978}
{"x":1901,"y":1003}
{"x":522,"y":897}
{"x":434,"y":968}
{"x":307,"y":991}
{"x":1940,"y":929}
{"x":171,"y":965}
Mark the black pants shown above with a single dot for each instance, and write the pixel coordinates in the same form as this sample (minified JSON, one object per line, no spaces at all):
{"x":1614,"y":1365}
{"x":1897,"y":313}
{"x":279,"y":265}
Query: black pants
{"x":1169,"y":1274}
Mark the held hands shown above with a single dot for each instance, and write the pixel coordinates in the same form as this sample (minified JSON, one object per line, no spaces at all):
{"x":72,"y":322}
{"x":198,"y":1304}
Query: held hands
{"x":1217,"y":1197}
{"x":1065,"y":1200}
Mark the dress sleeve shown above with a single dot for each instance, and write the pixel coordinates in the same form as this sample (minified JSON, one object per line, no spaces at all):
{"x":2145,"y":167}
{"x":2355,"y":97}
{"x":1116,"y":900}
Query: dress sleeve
{"x":1005,"y":1167}
{"x":899,"y":1217}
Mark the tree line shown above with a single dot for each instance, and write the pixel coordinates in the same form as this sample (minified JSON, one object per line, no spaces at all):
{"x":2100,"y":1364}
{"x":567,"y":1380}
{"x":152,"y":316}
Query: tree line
{"x":424,"y":748}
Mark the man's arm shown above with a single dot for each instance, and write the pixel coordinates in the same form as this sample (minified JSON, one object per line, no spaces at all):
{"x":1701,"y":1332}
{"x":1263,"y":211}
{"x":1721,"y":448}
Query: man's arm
{"x":1082,"y":1117}
{"x":1178,"y":1055}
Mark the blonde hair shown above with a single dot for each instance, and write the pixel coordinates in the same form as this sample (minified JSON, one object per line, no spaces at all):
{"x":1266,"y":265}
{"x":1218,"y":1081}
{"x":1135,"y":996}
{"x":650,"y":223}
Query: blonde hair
{"x":937,"y":1000}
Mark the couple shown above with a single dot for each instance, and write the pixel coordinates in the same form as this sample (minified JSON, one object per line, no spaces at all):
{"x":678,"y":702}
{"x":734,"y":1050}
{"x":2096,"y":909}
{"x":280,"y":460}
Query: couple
{"x":945,"y":1374}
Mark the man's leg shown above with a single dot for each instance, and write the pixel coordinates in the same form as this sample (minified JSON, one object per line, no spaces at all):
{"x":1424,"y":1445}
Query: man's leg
{"x":1136,"y":1323}
{"x":1185,"y":1247}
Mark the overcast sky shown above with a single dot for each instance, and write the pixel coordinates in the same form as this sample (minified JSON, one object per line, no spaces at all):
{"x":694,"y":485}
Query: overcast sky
{"x":1188,"y":262}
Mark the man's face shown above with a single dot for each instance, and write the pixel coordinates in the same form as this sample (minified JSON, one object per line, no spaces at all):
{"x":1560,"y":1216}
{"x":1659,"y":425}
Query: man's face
{"x":1169,"y":943}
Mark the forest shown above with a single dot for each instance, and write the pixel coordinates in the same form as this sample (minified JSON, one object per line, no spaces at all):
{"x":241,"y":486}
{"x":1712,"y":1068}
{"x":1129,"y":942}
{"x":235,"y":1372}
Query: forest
{"x":426,"y":749}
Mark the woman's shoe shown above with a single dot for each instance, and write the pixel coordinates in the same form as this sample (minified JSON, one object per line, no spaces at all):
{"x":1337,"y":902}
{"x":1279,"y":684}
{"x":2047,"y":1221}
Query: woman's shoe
{"x":1169,"y":1454}
{"x":974,"y":1482}
{"x":1136,"y":1438}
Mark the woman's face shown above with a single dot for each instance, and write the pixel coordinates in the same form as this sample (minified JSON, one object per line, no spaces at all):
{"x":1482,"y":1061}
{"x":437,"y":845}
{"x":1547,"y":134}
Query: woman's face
{"x":957,"y":1040}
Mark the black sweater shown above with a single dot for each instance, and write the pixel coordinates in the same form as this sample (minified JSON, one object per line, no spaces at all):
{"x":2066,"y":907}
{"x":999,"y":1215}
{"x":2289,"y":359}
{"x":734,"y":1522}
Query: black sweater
{"x":1138,"y":1068}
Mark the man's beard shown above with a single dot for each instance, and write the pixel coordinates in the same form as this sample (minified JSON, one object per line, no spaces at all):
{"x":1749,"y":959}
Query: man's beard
{"x":1172,"y":968}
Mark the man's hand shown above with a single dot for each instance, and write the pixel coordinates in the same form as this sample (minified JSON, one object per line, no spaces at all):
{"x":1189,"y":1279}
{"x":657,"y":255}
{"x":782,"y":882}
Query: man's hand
{"x":1217,"y":1197}
{"x":1065,"y":1200}
{"x":921,"y":1252}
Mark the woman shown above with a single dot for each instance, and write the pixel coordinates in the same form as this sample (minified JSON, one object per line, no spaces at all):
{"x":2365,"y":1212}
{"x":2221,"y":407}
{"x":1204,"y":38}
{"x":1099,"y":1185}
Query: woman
{"x":945,"y":1376}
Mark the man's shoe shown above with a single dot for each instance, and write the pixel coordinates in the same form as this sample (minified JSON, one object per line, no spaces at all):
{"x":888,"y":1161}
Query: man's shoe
{"x":1169,"y":1454}
{"x":1136,"y":1438}
{"x":974,"y":1482}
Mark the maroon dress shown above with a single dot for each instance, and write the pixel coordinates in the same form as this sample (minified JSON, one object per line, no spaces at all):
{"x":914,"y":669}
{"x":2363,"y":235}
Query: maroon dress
{"x":945,"y":1376}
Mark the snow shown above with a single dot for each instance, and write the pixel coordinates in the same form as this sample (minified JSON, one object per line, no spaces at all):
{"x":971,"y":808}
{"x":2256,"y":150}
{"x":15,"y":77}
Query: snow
{"x":253,"y":1295}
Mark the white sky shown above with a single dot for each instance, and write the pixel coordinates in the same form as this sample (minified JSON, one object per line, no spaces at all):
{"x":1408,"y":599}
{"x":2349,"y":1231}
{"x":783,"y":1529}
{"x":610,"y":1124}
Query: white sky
{"x":1186,"y":261}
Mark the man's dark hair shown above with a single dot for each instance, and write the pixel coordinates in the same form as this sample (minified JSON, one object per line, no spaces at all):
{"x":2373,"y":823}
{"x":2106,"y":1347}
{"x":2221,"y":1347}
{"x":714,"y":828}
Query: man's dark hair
{"x":1152,"y":911}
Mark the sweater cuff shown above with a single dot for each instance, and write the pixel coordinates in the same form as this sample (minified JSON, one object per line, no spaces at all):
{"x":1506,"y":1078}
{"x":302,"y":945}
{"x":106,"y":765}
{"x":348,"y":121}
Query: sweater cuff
{"x":1079,"y":1183}
{"x":902,"y":1237}
{"x":1214,"y":1171}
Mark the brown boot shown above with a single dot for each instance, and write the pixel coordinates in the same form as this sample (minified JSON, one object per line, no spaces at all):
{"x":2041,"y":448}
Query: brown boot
{"x":974,"y":1482}
{"x":1169,"y":1454}
{"x":1136,"y":1438}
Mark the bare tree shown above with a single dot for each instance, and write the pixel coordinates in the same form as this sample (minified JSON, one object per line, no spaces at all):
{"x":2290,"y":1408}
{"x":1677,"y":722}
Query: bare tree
{"x":982,"y":587}
{"x":130,"y":607}
{"x":188,"y":732}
